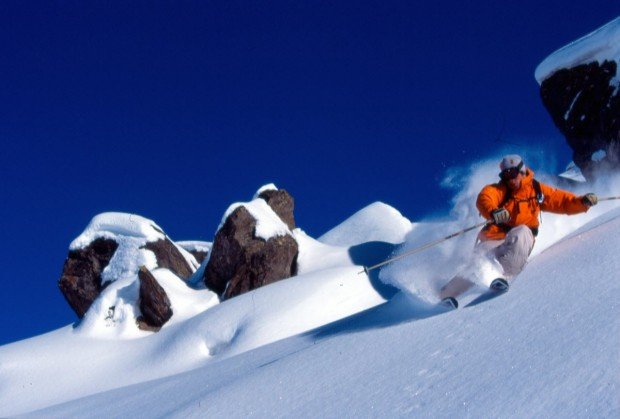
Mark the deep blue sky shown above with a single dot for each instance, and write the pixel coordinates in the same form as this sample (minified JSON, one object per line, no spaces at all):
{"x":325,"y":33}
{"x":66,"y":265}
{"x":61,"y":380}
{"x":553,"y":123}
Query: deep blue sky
{"x":173,"y":110}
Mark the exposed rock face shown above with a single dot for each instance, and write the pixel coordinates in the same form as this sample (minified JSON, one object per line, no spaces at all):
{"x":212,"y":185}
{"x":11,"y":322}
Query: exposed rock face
{"x":80,"y":282}
{"x":168,"y":256}
{"x":282,"y":204}
{"x":154,"y":302}
{"x":584,"y":103}
{"x":199,"y":255}
{"x":240,"y":262}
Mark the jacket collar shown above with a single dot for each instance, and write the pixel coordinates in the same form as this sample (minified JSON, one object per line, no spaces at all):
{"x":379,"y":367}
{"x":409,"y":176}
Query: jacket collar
{"x":526,"y":182}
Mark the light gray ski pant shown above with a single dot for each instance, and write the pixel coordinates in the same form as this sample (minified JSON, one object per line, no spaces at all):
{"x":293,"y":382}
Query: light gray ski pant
{"x":511,"y":253}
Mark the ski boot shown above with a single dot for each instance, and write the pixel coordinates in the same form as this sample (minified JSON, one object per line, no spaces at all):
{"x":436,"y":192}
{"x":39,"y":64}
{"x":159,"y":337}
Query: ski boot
{"x":499,"y":285}
{"x":450,"y":302}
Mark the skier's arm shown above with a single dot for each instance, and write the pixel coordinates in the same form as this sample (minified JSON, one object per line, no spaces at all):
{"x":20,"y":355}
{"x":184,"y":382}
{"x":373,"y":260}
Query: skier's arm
{"x":489,"y":200}
{"x":561,"y":202}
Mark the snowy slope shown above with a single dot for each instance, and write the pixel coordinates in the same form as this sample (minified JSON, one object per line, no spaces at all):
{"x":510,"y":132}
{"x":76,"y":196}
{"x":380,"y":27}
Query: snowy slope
{"x":547,"y":348}
{"x":335,"y":342}
{"x":93,"y":356}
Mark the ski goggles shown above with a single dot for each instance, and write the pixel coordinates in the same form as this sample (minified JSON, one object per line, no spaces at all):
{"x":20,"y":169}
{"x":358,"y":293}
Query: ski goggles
{"x":511,"y":173}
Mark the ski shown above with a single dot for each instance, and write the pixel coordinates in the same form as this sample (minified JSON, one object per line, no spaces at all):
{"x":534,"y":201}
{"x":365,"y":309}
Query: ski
{"x":498,"y":287}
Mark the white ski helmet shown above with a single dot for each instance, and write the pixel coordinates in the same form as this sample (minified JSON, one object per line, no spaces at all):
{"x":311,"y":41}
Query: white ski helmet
{"x":512,"y":161}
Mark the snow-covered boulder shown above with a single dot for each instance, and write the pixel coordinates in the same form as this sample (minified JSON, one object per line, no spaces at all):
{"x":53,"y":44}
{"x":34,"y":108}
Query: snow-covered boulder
{"x":112,"y":247}
{"x":253,"y":247}
{"x":580,"y":87}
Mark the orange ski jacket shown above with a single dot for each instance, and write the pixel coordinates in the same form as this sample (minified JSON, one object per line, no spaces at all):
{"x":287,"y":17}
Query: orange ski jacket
{"x":523,"y":205}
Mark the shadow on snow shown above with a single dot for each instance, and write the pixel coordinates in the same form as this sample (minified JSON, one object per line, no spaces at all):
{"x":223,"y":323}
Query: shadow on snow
{"x":369,"y":254}
{"x":398,"y":308}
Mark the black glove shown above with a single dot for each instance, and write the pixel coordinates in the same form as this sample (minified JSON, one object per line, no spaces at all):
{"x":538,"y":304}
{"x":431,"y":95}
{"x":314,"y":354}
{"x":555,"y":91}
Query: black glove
{"x":500,"y":216}
{"x":589,"y":199}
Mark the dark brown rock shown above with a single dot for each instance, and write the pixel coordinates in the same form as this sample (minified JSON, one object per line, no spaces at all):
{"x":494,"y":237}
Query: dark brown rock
{"x":282,"y":203}
{"x":154,"y":302}
{"x":169,"y":257}
{"x":143,"y":325}
{"x":199,"y":255}
{"x":80,"y":282}
{"x":585,"y":106}
{"x":240,"y":262}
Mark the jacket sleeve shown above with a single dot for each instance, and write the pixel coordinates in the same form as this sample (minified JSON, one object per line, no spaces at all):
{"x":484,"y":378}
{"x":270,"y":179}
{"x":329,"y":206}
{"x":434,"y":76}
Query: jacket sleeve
{"x":561,"y":202}
{"x":489,"y":199}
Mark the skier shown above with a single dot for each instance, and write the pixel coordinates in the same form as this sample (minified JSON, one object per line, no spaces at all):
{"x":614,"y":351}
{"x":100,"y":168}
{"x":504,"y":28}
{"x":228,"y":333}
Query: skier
{"x":514,"y":206}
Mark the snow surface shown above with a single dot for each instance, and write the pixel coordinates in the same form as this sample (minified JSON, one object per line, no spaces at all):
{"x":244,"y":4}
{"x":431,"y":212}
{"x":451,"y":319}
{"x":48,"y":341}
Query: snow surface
{"x":111,"y":225}
{"x":267,"y":187}
{"x":376,"y":222}
{"x":195,"y":245}
{"x":600,"y":45}
{"x":331,"y":341}
{"x":549,"y":347}
{"x":573,"y":173}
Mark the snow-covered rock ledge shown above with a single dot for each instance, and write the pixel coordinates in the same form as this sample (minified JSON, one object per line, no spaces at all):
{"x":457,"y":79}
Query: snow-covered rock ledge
{"x":580,"y":87}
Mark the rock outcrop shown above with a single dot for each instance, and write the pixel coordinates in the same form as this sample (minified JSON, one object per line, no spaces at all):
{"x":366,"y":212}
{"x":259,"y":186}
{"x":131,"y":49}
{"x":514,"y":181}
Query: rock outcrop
{"x":584,"y":103}
{"x":580,"y":87}
{"x":242,"y":260}
{"x":199,"y":255}
{"x":80,"y":282}
{"x":154,"y":302}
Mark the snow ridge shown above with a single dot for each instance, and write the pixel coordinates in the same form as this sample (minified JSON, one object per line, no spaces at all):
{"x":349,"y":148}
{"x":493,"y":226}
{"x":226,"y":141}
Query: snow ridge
{"x":110,"y":225}
{"x":376,"y":222}
{"x":600,"y":45}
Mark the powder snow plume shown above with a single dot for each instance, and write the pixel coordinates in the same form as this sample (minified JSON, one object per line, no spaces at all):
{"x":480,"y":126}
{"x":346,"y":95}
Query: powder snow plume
{"x":423,"y":274}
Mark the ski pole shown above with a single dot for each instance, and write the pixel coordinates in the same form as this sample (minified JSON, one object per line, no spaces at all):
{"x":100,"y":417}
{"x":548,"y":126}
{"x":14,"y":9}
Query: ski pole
{"x":424,"y":247}
{"x":609,"y":198}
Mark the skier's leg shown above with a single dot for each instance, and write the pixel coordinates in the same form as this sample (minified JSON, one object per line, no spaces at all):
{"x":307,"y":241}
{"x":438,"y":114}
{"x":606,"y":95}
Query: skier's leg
{"x":465,"y":280}
{"x":512,"y":254}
